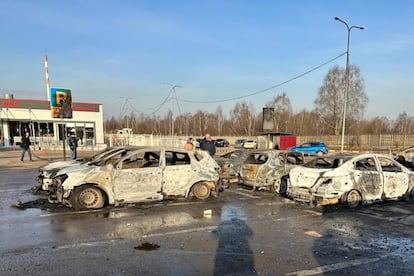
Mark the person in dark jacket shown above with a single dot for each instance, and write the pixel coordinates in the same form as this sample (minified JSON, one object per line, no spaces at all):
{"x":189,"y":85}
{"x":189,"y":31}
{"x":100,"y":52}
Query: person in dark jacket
{"x":73,"y":145}
{"x":25,"y":145}
{"x":208,"y":144}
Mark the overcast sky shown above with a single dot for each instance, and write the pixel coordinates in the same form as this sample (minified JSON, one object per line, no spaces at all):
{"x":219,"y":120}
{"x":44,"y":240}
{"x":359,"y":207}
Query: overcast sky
{"x":122,"y":53}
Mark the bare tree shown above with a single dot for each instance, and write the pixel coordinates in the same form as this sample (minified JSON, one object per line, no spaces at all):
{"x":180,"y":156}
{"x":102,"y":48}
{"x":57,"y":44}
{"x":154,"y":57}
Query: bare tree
{"x":243,"y":119}
{"x":330,"y":101}
{"x":219,"y":120}
{"x":404,"y":124}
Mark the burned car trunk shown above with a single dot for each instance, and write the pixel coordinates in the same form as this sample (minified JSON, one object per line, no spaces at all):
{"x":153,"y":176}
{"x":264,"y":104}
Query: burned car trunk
{"x":148,"y":174}
{"x":268,"y":169}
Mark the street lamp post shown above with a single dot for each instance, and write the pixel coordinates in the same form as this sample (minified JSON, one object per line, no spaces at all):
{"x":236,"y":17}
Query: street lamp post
{"x":346,"y":79}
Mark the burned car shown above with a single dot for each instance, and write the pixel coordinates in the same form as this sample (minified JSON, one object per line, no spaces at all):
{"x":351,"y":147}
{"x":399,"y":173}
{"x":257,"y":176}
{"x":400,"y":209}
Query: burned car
{"x":230,"y":164}
{"x":352,"y":180}
{"x":47,"y":172}
{"x":405,"y":157}
{"x":268,"y":169}
{"x":148,"y":174}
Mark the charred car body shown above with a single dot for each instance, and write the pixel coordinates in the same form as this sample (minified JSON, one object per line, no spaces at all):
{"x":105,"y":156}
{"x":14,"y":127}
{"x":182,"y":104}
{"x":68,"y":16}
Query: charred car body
{"x":268,"y":169}
{"x":48,"y":172}
{"x":230,"y":164}
{"x":352,"y":180}
{"x":149,"y":174}
{"x":406,"y":157}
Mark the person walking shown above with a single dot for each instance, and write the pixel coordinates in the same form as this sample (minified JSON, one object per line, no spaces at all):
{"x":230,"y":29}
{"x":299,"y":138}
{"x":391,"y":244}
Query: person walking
{"x":208,"y":144}
{"x":189,"y":144}
{"x":25,"y":145}
{"x":73,"y":145}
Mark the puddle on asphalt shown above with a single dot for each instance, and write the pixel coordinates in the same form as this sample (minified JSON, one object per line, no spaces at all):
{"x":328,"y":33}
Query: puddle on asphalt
{"x":232,"y":212}
{"x":147,"y":246}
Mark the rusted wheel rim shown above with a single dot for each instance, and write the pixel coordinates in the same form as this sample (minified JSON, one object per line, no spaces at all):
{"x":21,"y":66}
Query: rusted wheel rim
{"x":353,"y":199}
{"x":89,"y":197}
{"x":201,"y":191}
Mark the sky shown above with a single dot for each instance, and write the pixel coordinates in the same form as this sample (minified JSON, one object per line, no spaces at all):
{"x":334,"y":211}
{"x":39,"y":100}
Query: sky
{"x":132,"y":55}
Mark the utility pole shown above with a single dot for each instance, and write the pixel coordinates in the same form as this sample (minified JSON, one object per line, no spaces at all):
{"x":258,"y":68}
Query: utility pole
{"x":174,"y":97}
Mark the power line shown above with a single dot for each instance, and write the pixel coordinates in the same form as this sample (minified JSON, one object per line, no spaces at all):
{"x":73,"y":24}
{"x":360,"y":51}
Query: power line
{"x":269,"y":88}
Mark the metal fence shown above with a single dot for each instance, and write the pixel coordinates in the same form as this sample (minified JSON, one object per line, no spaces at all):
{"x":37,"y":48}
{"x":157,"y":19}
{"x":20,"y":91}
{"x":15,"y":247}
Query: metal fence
{"x":358,"y":142}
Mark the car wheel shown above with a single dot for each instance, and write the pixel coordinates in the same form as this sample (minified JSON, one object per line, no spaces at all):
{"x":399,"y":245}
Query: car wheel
{"x":353,"y":199}
{"x":87,"y":197}
{"x":201,"y":190}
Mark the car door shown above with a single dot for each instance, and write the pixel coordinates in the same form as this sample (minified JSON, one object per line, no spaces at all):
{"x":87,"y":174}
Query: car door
{"x":396,"y":181}
{"x":306,"y":147}
{"x":138,"y":177}
{"x":367,"y":178}
{"x":251,"y":171}
{"x":179,"y":173}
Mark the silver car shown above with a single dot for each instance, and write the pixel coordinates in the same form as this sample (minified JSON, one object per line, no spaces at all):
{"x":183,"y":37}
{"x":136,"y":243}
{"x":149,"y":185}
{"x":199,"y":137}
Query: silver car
{"x":149,"y":174}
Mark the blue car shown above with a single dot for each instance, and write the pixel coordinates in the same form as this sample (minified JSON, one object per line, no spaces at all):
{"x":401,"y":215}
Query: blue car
{"x":318,"y":148}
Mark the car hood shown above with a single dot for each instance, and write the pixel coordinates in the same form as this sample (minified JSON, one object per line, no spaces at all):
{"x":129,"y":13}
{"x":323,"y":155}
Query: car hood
{"x":79,"y":167}
{"x":59,"y":164}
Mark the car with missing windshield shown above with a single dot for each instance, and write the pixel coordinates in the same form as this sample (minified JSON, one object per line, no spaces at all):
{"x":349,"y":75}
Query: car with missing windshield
{"x":230,"y":164}
{"x":48,"y":172}
{"x":405,"y":157}
{"x":148,"y":174}
{"x":351,"y":180}
{"x":268,"y":169}
{"x":311,"y":148}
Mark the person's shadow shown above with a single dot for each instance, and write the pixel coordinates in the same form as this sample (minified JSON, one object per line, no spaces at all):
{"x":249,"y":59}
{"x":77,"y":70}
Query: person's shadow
{"x":233,"y":255}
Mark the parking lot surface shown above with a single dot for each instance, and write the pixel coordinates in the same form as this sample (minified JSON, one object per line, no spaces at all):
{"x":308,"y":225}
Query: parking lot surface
{"x":244,"y":232}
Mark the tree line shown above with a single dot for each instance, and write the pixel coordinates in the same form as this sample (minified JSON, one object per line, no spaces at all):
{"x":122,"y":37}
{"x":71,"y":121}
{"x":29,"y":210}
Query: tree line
{"x":244,"y":120}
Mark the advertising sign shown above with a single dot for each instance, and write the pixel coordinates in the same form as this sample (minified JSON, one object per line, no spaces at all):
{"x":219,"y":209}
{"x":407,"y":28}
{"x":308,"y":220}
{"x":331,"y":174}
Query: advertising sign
{"x":61,"y":103}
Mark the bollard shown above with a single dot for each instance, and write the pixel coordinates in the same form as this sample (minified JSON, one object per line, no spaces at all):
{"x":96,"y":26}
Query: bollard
{"x":45,"y":151}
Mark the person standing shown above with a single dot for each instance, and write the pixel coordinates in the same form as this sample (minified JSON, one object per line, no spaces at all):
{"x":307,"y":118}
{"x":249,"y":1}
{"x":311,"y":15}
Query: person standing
{"x":25,"y":145}
{"x":189,"y":144}
{"x":208,"y":144}
{"x":73,"y":145}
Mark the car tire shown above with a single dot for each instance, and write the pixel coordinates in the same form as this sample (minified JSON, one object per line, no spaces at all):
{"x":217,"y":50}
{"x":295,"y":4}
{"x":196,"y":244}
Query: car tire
{"x":353,"y":199}
{"x":87,"y":197}
{"x":201,"y":190}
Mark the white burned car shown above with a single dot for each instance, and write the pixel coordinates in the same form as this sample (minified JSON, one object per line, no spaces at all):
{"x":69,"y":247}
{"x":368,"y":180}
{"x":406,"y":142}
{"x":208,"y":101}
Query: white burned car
{"x":352,"y":180}
{"x":148,"y":174}
{"x":49,"y":171}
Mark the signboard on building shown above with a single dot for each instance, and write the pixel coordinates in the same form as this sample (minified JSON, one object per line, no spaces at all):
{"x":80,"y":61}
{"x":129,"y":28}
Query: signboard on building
{"x":61,"y":103}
